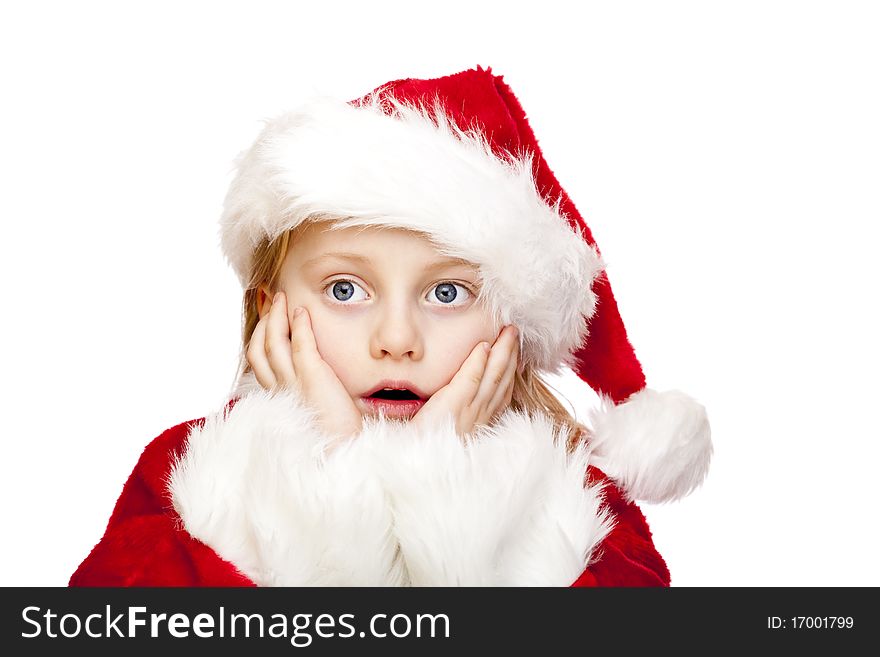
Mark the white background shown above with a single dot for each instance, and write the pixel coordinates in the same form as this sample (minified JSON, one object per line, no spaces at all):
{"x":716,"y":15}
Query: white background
{"x":725,"y":155}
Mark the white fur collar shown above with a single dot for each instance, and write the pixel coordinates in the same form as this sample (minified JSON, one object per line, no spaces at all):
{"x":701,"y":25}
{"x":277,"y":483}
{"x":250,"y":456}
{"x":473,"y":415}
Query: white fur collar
{"x":388,"y":507}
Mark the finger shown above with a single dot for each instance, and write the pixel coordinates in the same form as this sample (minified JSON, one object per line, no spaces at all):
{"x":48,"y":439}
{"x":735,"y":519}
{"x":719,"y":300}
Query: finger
{"x":504,"y":392}
{"x":304,"y":348}
{"x":503,"y":352}
{"x":277,"y":341}
{"x":256,"y":357}
{"x":464,"y":385}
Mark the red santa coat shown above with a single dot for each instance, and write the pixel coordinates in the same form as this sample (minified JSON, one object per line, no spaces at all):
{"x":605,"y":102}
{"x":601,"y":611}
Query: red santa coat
{"x":252,"y":496}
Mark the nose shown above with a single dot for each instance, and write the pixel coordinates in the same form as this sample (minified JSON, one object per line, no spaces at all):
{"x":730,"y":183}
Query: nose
{"x":397,"y":334}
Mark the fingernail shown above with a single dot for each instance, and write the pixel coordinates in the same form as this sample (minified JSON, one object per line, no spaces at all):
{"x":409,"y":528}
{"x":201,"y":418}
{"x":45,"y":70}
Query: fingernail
{"x":514,"y":332}
{"x":486,"y":347}
{"x":277,"y":297}
{"x":297,"y":311}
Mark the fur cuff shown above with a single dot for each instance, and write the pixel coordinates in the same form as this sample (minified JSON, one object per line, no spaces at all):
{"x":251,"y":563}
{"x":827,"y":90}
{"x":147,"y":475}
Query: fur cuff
{"x":257,"y":486}
{"x":508,"y":508}
{"x":389,"y":507}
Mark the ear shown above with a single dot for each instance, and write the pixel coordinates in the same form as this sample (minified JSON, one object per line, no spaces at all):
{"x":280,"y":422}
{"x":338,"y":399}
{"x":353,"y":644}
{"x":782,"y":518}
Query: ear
{"x":264,"y":300}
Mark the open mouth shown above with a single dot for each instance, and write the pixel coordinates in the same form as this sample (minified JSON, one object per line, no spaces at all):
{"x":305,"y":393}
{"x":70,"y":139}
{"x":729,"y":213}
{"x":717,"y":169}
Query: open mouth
{"x":400,"y":403}
{"x":394,"y":395}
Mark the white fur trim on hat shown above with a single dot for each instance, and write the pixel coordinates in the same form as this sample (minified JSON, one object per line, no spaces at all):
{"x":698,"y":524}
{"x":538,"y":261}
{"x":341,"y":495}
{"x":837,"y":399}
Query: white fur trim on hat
{"x":415,"y":169}
{"x":656,"y":445}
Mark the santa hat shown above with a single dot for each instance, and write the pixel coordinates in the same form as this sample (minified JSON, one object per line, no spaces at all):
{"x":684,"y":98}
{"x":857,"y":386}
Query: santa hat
{"x":454,"y":158}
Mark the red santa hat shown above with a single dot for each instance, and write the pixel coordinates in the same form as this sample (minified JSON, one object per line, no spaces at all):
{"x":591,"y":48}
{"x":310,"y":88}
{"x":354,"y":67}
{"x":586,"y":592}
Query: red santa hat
{"x":455,"y":159}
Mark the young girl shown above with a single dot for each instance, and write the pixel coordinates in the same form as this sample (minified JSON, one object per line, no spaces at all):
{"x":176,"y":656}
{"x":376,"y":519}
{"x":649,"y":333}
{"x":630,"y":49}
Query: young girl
{"x":410,"y":266}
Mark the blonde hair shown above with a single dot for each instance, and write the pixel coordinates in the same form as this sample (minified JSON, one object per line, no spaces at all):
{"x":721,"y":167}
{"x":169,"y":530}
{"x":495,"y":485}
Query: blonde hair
{"x":530,"y":392}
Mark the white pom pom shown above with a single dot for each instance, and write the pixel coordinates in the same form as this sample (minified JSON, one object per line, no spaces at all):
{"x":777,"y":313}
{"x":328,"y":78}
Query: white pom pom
{"x":656,"y":445}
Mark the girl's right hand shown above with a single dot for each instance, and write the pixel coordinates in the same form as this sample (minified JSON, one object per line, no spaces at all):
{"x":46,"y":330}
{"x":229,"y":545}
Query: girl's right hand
{"x":283,"y":354}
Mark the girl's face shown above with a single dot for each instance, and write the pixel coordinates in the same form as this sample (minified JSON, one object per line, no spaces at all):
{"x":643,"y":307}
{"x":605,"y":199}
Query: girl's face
{"x":384,"y":305}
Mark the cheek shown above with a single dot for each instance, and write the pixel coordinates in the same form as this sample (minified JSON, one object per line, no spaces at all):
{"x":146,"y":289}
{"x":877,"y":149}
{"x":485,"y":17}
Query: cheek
{"x":336,"y":343}
{"x":454,"y":345}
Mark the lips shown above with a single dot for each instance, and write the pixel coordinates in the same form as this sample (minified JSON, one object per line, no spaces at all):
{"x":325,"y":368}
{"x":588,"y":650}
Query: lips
{"x":394,"y":389}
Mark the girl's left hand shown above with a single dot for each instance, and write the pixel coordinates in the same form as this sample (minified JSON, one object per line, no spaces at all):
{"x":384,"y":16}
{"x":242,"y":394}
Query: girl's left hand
{"x":481,"y":389}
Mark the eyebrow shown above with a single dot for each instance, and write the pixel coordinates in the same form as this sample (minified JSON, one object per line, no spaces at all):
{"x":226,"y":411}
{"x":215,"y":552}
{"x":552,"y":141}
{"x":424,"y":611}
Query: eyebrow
{"x":342,"y":255}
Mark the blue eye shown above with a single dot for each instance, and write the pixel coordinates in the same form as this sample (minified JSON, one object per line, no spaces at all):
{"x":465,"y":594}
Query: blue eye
{"x":448,"y":293}
{"x":344,"y":291}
